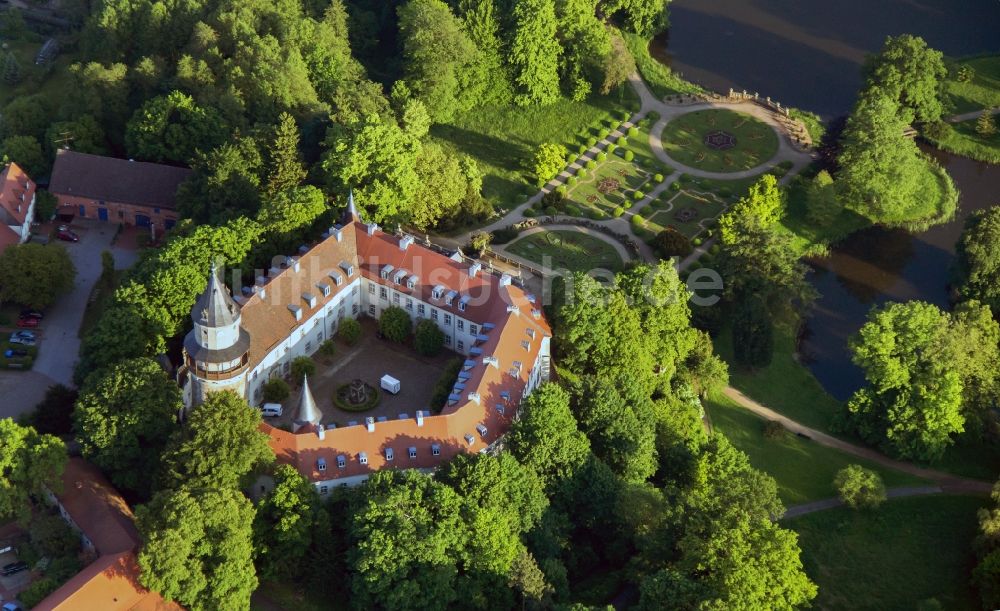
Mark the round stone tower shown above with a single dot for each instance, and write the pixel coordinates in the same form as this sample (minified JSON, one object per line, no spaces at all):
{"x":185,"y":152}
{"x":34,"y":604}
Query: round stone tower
{"x":217,"y":350}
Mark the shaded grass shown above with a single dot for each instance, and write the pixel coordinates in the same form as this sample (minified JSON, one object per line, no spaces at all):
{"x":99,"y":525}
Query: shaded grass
{"x":963,"y":139}
{"x":100,"y":297}
{"x":53,"y":81}
{"x":503,"y":140}
{"x":684,"y":140}
{"x":803,"y":469}
{"x":571,"y":250}
{"x":785,"y":385}
{"x":984,"y":89}
{"x":907,"y":551}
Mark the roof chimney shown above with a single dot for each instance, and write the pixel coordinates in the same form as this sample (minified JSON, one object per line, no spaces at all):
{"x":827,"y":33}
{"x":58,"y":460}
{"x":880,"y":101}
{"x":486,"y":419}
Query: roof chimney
{"x":405,"y":241}
{"x":420,"y":417}
{"x":474,"y":269}
{"x":372,"y":228}
{"x":370,"y":424}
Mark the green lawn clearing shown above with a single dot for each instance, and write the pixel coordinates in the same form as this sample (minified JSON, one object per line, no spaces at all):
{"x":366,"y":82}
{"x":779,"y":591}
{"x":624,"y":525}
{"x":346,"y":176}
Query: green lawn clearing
{"x":52,"y":81}
{"x":906,"y":552}
{"x":963,"y":139}
{"x":719,"y":140}
{"x":663,"y":212}
{"x":983,"y":91}
{"x":564,"y":249}
{"x":503,"y":140}
{"x":803,"y":469}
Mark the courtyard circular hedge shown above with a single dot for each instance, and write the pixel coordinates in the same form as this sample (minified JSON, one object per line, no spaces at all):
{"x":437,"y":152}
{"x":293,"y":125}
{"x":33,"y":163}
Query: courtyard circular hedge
{"x":347,"y":406}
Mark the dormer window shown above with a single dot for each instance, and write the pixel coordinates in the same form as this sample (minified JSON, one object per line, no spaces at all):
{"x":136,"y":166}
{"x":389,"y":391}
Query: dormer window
{"x":389,"y":454}
{"x":530,"y":332}
{"x":386,"y":270}
{"x":310,"y":299}
{"x":397,"y":278}
{"x":469,"y":439}
{"x":463,"y":302}
{"x":450,"y":297}
{"x":347,"y":267}
{"x":437,"y":292}
{"x":500,"y":409}
{"x":321,"y":464}
{"x":362,"y":458}
{"x":481,"y":429}
{"x":412,"y":281}
{"x":526,"y":344}
{"x":435,"y":449}
{"x":324,"y":289}
{"x":341,"y":461}
{"x":413,"y":452}
{"x":517,"y":365}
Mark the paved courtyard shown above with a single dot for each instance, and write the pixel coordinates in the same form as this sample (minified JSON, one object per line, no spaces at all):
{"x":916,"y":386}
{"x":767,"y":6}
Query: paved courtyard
{"x":369,"y":360}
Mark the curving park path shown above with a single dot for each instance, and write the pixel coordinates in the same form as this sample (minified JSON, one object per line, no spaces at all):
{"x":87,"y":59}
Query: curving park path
{"x":947,"y":482}
{"x":830,"y":503}
{"x":618,"y":246}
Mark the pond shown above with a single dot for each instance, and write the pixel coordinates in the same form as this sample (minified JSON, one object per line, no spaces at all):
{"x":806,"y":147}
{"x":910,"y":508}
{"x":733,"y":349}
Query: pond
{"x":878,"y":265}
{"x":808,"y":53}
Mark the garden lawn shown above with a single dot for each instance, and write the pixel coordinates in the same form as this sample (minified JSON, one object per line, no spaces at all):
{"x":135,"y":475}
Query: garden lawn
{"x":684,"y":140}
{"x":963,"y":139}
{"x":785,"y":385}
{"x":907,"y":551}
{"x":984,"y":89}
{"x":660,"y":213}
{"x":804,"y":470}
{"x":53,"y":81}
{"x":570,"y":250}
{"x":586,"y":199}
{"x":503,"y":140}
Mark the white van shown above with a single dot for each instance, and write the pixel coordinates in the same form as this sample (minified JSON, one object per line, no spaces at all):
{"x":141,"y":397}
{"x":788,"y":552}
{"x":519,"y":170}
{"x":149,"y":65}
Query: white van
{"x":390,"y":384}
{"x":270,"y":410}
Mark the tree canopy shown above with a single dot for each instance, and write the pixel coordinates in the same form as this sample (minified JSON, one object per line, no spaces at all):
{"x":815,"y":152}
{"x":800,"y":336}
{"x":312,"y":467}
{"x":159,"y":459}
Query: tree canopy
{"x":35,"y":275}
{"x":28,"y":461}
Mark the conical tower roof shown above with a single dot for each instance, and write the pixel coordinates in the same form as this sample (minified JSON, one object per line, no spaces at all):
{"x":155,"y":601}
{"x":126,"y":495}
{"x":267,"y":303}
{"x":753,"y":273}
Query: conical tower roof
{"x":215,"y":307}
{"x":352,"y":208}
{"x":307,"y":412}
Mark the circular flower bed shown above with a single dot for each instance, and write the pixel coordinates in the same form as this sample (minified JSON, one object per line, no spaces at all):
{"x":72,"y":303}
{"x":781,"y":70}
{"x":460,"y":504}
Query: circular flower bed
{"x":347,"y":396}
{"x":608,"y":185}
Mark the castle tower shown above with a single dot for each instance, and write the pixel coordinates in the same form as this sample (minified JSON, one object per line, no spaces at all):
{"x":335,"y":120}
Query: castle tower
{"x":352,"y":209}
{"x":217,"y":350}
{"x":307,"y":413}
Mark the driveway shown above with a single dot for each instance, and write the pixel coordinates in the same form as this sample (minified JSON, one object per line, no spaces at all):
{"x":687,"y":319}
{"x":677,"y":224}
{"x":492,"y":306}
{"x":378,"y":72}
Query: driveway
{"x":59,"y":344}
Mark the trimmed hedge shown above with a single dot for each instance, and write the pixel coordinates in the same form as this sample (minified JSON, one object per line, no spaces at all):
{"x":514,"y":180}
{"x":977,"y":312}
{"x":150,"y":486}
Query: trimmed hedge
{"x":372,"y":401}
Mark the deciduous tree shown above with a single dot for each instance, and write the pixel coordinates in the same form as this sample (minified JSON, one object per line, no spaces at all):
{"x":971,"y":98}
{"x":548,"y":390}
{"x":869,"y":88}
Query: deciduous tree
{"x":428,"y":338}
{"x":28,"y":461}
{"x":549,"y":160}
{"x":284,"y":524}
{"x":534,"y":52}
{"x":910,"y":71}
{"x":395,"y":324}
{"x":35,"y":275}
{"x":860,"y":488}
{"x":545,"y":436}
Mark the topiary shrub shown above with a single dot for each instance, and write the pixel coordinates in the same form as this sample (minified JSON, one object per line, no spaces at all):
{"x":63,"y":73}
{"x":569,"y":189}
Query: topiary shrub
{"x":601,"y":156}
{"x":612,"y":147}
{"x":572,"y":211}
{"x":591,"y":142}
{"x":672,"y":243}
{"x":530,"y":212}
{"x":637,"y":220}
{"x":349,"y":331}
{"x":658,"y":177}
{"x":596,"y":215}
{"x":582,"y":149}
{"x":276,"y":390}
{"x":633,"y":131}
{"x":637,"y":195}
{"x":629,"y":155}
{"x":571,"y":181}
{"x":561,"y":190}
{"x":675,"y":186}
{"x":302,"y":366}
{"x":591,"y":164}
{"x":428,"y":338}
{"x":623,"y":141}
{"x":626,"y":115}
{"x":697,"y":241}
{"x":342,"y":394}
{"x":617,"y":212}
{"x":581,"y":173}
{"x":551,"y":211}
{"x":502,"y":236}
{"x":395,"y":324}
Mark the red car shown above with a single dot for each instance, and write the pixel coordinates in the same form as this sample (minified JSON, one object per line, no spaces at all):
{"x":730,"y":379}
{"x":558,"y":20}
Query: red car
{"x":27,"y":322}
{"x":68,"y":236}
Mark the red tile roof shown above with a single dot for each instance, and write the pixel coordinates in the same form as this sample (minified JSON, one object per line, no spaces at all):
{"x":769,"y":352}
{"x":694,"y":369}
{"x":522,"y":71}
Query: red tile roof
{"x":270,"y":318}
{"x":110,"y":583}
{"x":16,"y":191}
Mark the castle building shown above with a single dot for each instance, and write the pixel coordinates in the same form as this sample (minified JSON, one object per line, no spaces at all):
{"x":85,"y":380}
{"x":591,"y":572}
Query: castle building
{"x":241,"y":342}
{"x":17,"y":205}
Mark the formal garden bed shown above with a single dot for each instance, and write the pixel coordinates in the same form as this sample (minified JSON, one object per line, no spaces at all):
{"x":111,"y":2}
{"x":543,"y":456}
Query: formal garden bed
{"x":719,"y":140}
{"x":565,"y":249}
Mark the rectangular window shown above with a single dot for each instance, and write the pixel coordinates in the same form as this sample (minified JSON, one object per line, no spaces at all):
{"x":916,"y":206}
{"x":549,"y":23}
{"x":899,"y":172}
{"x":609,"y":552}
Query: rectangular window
{"x":447,"y":340}
{"x":371,"y":289}
{"x":308,"y":346}
{"x":354,"y":309}
{"x":473,"y":329}
{"x":341,"y":461}
{"x":447,"y":319}
{"x":435,"y":449}
{"x":371,"y":310}
{"x":420,"y":309}
{"x":461,"y":346}
{"x":324,"y":490}
{"x":383,"y":293}
{"x":434,"y":314}
{"x":395,"y":298}
{"x":461,"y":324}
{"x":409,"y":304}
{"x":389,"y":455}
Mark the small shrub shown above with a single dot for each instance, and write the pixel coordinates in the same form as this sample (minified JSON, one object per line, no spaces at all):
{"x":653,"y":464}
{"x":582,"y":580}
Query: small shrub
{"x":637,"y":195}
{"x":302,"y":366}
{"x":503,"y":235}
{"x":623,"y":141}
{"x":697,"y":242}
{"x":596,"y":215}
{"x":571,"y":181}
{"x":629,"y":155}
{"x":633,"y":131}
{"x":37,"y":591}
{"x":774,"y":430}
{"x":725,"y":192}
{"x":658,"y":177}
{"x":617,"y":212}
{"x":860,"y":488}
{"x":591,"y":142}
{"x":572,"y":211}
{"x":581,"y":173}
{"x":612,"y":147}
{"x":328,"y":349}
{"x":675,"y":186}
{"x":582,"y":149}
{"x":601,"y":156}
{"x":591,"y":164}
{"x":561,"y":190}
{"x":965,"y":73}
{"x":276,"y":390}
{"x":625,"y":115}
{"x":442,"y":388}
{"x":428,"y":338}
{"x":715,"y":249}
{"x":530,"y":212}
{"x":637,"y":220}
{"x":551,"y":211}
{"x":672,"y":243}
{"x":395,"y":324}
{"x":350,"y":331}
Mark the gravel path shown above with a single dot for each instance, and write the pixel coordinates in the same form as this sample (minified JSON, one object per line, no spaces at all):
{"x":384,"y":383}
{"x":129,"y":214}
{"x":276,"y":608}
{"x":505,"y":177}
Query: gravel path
{"x":824,"y":504}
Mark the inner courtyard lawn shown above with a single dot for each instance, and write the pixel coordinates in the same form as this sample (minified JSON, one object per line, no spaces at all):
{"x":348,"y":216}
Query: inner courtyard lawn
{"x":908,"y":551}
{"x":565,"y":249}
{"x":755,"y":142}
{"x":804,"y":470}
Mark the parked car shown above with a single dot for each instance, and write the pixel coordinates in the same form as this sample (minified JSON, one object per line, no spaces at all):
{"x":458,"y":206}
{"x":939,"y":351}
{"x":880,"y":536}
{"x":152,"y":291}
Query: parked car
{"x":29,"y":313}
{"x":12,"y":353}
{"x":14,"y":567}
{"x":24,"y":334}
{"x":27,"y":322}
{"x":68,"y":236}
{"x":24,"y":341}
{"x":13,"y":606}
